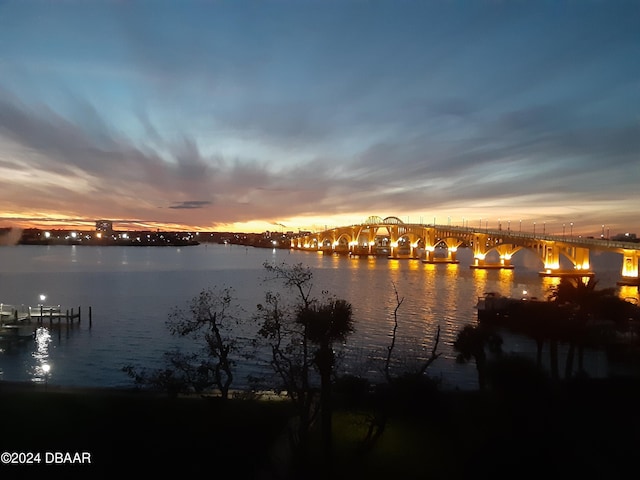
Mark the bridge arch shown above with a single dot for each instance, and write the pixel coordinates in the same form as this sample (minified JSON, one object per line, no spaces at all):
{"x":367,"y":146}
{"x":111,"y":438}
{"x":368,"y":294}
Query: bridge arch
{"x":408,"y":244}
{"x":341,"y":243}
{"x":442,"y":249}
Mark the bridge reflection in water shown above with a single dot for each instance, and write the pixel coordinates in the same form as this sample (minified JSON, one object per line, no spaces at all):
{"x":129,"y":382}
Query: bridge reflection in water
{"x":492,"y":248}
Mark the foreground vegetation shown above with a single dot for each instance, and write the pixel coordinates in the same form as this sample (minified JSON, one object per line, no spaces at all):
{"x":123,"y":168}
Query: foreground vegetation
{"x":347,"y":426}
{"x":588,"y":428}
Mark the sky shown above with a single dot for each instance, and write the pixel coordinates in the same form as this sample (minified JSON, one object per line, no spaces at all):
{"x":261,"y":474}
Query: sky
{"x":283,"y":115}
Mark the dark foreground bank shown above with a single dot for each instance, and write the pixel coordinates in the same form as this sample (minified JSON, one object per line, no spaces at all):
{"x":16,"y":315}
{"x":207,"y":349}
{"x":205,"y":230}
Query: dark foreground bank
{"x":126,"y":432}
{"x":587,"y":429}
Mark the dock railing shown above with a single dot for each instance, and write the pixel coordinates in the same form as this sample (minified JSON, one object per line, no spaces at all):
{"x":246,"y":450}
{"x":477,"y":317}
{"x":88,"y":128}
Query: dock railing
{"x":10,"y":314}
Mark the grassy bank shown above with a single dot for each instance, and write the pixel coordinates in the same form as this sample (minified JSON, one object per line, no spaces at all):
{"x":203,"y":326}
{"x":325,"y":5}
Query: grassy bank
{"x":589,"y":429}
{"x":140,"y":432}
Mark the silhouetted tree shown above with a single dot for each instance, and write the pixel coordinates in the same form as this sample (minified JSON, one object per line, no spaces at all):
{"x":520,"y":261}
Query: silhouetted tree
{"x":409,"y":386}
{"x":577,"y":314}
{"x":544,"y":322}
{"x":301,"y":336}
{"x":472,"y":342}
{"x":210,"y":319}
{"x":326,"y":323}
{"x":394,"y":332}
{"x":582,"y":301}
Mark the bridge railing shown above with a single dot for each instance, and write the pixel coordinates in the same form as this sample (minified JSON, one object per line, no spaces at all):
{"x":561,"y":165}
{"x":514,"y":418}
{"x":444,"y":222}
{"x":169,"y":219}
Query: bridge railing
{"x":573,"y":239}
{"x":578,"y":240}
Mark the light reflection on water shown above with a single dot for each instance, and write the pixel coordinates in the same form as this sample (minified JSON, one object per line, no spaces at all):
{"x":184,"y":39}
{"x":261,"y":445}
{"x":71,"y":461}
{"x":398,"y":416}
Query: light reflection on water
{"x":132,"y":290}
{"x":41,"y":367}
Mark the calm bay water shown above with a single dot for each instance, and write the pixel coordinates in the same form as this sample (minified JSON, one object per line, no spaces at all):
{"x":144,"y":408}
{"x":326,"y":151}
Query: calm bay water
{"x":132,"y":290}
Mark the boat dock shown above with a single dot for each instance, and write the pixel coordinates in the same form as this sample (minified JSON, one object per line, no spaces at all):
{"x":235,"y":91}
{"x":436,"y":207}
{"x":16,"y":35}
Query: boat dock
{"x":11,"y":313}
{"x":20,"y":322}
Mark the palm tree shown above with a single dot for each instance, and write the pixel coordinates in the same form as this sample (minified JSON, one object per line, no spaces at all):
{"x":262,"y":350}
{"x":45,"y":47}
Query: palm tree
{"x":581,"y":297}
{"x":471,"y":343}
{"x":325,"y":324}
{"x":293,"y":331}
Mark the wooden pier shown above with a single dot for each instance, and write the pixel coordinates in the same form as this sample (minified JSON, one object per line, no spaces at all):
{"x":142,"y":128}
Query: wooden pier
{"x":21,"y":322}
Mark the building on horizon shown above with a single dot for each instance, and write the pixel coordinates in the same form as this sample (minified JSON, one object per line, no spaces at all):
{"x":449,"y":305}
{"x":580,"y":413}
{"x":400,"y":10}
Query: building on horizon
{"x":104,"y":226}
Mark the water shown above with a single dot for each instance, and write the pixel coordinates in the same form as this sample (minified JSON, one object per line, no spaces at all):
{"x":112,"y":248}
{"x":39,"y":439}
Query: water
{"x":132,"y":290}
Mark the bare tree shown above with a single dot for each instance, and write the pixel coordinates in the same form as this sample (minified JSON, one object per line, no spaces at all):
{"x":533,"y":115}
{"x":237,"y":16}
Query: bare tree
{"x":387,"y":363}
{"x":387,"y":394}
{"x":210,"y":318}
{"x":301,"y":336}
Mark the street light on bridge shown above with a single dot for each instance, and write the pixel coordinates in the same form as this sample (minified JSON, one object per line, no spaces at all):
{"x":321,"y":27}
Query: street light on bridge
{"x":571,"y":231}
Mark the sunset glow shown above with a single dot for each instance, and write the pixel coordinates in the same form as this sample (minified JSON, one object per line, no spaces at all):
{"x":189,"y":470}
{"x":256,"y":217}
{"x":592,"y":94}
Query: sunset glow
{"x":205,"y":116}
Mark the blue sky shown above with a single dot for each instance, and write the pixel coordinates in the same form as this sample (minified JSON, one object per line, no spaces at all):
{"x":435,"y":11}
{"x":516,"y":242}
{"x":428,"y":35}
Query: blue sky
{"x":249,"y":115}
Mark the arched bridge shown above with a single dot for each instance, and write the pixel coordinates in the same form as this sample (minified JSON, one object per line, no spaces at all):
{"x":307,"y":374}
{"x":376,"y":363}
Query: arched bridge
{"x":432,"y":243}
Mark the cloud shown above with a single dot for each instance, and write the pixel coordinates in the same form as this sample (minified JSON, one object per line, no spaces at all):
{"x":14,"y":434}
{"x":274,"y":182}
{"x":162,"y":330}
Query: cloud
{"x":280,"y":111}
{"x":189,"y":204}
